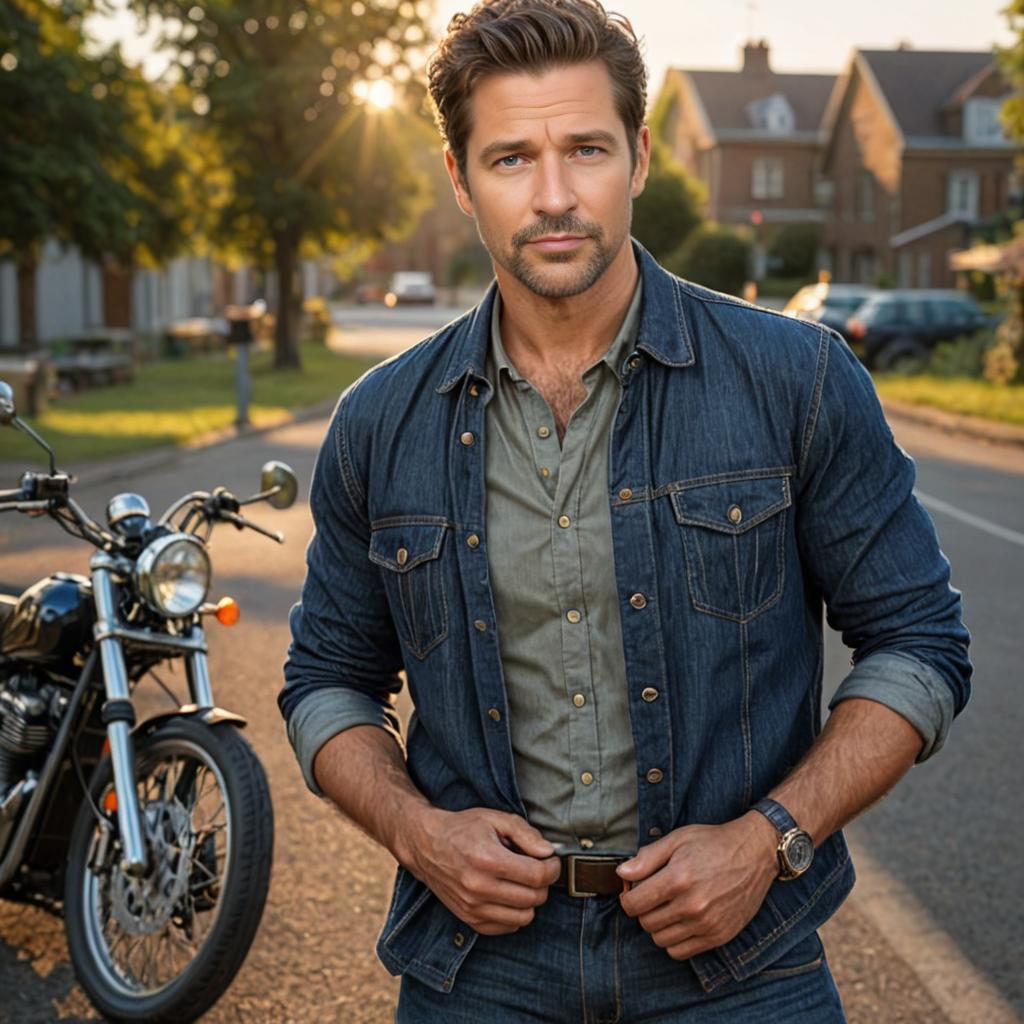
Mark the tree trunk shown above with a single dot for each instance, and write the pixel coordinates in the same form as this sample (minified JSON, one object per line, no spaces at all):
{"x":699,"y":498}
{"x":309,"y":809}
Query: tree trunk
{"x":286,"y":330}
{"x":27,"y":330}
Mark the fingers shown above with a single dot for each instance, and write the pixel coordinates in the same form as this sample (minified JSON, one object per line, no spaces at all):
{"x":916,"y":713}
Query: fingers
{"x":652,"y":892}
{"x":528,"y":840}
{"x":649,"y":859}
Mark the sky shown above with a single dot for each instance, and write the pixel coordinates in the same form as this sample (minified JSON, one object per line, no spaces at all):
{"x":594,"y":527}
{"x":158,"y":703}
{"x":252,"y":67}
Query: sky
{"x":802,"y":35}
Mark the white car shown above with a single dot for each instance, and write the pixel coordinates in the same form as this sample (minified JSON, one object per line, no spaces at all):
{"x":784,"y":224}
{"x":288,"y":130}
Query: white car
{"x":410,"y":286}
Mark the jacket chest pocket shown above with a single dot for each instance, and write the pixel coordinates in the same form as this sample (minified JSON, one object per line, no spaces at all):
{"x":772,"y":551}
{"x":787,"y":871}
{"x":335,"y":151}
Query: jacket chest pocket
{"x":734,"y":541}
{"x":409,"y":555}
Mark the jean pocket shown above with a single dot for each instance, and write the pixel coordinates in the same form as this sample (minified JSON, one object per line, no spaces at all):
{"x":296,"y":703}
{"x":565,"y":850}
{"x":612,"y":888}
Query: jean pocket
{"x":409,"y":554}
{"x":807,"y":955}
{"x":733,"y":531}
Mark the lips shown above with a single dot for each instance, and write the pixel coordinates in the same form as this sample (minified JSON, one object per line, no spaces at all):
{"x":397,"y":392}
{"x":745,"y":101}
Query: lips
{"x":558,"y":243}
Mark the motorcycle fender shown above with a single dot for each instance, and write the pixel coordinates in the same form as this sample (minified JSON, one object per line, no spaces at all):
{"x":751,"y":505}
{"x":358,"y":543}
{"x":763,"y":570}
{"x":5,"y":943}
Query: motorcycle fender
{"x":209,"y":716}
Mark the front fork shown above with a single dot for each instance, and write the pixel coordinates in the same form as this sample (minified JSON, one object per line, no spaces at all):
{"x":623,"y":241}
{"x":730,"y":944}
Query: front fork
{"x":119,"y":713}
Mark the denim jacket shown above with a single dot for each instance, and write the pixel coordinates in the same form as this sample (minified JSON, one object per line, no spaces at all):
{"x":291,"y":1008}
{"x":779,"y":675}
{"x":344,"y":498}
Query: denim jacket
{"x":752,"y":482}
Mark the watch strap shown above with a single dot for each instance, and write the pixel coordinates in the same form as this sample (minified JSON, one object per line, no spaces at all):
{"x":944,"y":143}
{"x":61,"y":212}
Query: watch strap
{"x":777,"y":815}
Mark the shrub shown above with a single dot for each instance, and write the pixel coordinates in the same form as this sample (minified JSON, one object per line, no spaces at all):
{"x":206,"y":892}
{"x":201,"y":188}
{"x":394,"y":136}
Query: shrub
{"x":961,"y":357}
{"x":713,"y":256}
{"x":1004,"y":361}
{"x":668,"y":209}
{"x":794,"y":250}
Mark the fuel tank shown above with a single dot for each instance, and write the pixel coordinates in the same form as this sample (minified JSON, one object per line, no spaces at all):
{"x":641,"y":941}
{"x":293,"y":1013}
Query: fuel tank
{"x":51,"y":623}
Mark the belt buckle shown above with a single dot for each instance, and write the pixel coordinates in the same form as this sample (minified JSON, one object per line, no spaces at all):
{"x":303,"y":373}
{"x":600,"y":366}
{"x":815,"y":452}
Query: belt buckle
{"x":576,"y":858}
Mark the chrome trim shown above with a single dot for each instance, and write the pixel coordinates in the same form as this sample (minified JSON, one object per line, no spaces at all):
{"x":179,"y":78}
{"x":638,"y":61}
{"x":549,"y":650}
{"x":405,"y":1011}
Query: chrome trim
{"x":121,"y":506}
{"x":197,"y":671}
{"x":148,"y":638}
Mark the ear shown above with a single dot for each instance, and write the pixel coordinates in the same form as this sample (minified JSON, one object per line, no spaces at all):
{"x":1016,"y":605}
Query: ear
{"x":643,"y":161}
{"x":458,"y":185}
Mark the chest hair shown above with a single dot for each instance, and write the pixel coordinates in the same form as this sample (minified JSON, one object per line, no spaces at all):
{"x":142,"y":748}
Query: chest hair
{"x":563,"y":392}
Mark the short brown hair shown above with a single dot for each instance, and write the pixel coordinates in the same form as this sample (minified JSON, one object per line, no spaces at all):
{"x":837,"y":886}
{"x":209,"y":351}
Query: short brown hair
{"x":511,"y":36}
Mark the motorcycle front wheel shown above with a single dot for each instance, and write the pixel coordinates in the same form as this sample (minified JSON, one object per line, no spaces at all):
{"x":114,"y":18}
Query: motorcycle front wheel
{"x":165,"y":947}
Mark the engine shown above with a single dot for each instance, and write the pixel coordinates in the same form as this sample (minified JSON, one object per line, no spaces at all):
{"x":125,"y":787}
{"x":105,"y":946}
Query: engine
{"x":28,"y":707}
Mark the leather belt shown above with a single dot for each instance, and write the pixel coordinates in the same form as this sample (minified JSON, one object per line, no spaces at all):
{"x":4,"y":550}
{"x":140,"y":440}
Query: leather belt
{"x":591,"y":874}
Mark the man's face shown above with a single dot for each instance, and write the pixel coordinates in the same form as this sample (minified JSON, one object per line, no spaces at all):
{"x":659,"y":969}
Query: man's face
{"x":549,"y":176}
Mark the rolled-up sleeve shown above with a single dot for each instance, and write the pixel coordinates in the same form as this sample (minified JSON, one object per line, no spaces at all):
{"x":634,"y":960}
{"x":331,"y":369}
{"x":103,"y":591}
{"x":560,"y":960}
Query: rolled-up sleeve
{"x":872,"y":551}
{"x":344,"y":659}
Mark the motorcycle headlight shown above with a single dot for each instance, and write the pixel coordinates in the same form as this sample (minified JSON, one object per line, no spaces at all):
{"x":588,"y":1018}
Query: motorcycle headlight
{"x":173,"y":574}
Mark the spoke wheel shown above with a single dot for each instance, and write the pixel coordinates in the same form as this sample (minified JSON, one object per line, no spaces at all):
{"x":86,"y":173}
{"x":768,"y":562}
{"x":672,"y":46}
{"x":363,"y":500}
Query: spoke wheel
{"x":164,"y":947}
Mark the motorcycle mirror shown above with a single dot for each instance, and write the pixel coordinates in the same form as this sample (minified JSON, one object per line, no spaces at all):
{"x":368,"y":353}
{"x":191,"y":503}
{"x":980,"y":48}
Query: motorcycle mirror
{"x":279,"y":478}
{"x":7,"y":410}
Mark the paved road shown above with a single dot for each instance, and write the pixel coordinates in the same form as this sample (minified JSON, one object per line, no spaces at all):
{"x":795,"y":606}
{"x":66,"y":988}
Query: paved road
{"x":932,"y":934}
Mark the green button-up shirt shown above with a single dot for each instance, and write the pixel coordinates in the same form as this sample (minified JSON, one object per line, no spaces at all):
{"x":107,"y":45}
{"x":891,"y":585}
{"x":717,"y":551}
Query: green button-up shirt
{"x":553,"y":577}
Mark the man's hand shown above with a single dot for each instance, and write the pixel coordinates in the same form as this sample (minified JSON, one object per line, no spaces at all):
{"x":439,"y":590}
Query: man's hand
{"x":697,"y":887}
{"x":489,"y":868}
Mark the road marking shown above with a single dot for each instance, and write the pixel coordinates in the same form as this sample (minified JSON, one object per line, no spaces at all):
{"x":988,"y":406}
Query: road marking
{"x":972,"y":520}
{"x":962,"y":992}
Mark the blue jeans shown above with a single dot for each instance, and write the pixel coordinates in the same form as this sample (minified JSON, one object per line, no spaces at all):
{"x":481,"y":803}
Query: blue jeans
{"x":586,"y":961}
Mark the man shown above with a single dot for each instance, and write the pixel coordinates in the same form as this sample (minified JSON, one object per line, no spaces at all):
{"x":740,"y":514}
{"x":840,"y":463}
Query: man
{"x":595,"y":520}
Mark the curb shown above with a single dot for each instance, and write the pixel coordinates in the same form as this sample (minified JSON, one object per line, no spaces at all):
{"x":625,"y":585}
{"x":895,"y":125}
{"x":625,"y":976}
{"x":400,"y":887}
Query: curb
{"x":955,"y":423}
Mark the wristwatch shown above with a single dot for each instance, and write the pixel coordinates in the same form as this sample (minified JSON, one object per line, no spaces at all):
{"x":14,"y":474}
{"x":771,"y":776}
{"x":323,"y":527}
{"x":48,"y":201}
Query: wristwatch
{"x":796,"y":848}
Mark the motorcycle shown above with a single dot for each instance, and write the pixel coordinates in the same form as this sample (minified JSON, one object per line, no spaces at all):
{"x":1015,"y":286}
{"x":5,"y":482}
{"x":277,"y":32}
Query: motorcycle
{"x":155,"y":839}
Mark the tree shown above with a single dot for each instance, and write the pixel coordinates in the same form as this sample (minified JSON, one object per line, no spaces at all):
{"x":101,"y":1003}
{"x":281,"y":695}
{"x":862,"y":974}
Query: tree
{"x":297,"y":102}
{"x":87,"y":155}
{"x":795,"y":249}
{"x":713,"y":256}
{"x":669,"y":207}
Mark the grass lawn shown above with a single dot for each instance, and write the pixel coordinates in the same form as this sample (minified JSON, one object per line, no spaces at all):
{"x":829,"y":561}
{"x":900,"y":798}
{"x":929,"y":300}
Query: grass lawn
{"x":175,"y":401}
{"x":960,"y":395}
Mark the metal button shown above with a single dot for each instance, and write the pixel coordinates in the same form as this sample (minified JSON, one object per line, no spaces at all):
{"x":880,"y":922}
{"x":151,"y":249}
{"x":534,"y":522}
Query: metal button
{"x":473,"y":540}
{"x":638,"y":601}
{"x":479,"y":625}
{"x":467,"y":438}
{"x":564,"y":522}
{"x":634,"y":362}
{"x":474,"y":390}
{"x":587,"y":844}
{"x":735,"y":514}
{"x":495,"y":714}
{"x":655,"y":775}
{"x":579,"y":700}
{"x":625,"y":494}
{"x":586,"y":778}
{"x":573,"y":616}
{"x":654,"y":832}
{"x":402,"y":556}
{"x":543,"y":432}
{"x":459,"y":939}
{"x":649,"y":693}
{"x":545,"y":471}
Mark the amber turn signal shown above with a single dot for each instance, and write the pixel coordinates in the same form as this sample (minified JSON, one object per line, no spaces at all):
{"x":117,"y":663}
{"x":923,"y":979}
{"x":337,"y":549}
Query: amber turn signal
{"x":228,"y":611}
{"x":110,"y":802}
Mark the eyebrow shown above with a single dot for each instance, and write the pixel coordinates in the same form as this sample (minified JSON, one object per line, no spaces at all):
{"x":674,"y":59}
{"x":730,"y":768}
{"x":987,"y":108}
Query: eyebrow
{"x":574,"y":139}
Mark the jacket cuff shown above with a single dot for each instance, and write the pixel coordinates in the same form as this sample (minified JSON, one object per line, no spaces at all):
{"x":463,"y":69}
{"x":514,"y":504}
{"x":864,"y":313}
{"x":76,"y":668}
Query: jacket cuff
{"x":324,"y":713}
{"x":910,"y":688}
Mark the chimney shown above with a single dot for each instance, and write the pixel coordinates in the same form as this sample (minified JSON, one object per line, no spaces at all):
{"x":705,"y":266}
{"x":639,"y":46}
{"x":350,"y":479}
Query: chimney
{"x":755,"y":58}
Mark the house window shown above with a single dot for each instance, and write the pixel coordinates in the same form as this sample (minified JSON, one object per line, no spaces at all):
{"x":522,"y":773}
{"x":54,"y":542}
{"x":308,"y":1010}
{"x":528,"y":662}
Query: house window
{"x":906,"y":271}
{"x":924,"y":270}
{"x":981,"y":122}
{"x":866,"y":197}
{"x":963,"y":194}
{"x":766,"y":181}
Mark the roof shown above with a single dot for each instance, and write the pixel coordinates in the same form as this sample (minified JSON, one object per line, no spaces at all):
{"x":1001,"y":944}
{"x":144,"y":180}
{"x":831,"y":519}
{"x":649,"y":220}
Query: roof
{"x":725,"y":96}
{"x":918,"y":83}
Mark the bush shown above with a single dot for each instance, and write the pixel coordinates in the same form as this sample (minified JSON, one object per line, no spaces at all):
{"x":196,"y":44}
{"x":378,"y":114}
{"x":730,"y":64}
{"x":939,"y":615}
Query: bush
{"x":668,"y":209}
{"x":1004,"y":361}
{"x":713,"y":256}
{"x":962,"y":357}
{"x":794,"y":250}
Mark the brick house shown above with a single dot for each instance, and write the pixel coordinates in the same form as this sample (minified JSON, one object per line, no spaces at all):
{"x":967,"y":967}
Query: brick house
{"x":914,"y":155}
{"x":753,"y":138}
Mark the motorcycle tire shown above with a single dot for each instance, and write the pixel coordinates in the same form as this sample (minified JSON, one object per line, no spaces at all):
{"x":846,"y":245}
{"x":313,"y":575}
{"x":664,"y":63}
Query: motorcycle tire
{"x":172,"y":903}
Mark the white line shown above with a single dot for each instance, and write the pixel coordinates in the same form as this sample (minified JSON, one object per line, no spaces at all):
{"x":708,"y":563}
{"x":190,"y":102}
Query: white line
{"x":972,"y":520}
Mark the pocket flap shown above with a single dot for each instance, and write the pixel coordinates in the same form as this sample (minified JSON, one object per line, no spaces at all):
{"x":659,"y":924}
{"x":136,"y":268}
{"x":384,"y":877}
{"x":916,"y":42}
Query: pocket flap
{"x":732,"y":506}
{"x":402,"y":547}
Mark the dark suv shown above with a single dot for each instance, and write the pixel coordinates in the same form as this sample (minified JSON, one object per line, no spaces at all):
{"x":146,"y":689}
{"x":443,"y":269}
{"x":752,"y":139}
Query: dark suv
{"x":896,"y":330}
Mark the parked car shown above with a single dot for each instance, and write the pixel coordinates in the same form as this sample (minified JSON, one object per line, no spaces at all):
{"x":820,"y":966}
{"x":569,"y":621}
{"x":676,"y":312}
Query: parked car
{"x":410,"y":286}
{"x":827,"y":303}
{"x":896,"y":330}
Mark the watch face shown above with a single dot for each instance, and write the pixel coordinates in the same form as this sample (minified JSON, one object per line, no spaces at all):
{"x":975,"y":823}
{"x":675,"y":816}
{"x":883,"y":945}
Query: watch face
{"x":797,"y":851}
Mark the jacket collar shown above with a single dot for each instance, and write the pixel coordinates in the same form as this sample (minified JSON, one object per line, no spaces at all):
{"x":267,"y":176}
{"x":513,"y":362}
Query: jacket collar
{"x":664,"y":332}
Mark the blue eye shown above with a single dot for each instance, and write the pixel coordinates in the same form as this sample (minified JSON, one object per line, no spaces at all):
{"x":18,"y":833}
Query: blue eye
{"x":504,"y":161}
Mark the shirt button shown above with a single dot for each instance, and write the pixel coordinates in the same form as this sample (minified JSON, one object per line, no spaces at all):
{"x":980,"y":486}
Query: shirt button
{"x":586,"y":778}
{"x":545,"y":472}
{"x":655,"y":775}
{"x":543,"y":432}
{"x":654,"y":832}
{"x":467,"y":438}
{"x":634,"y":362}
{"x":735,"y":514}
{"x":459,"y":939}
{"x":625,"y":494}
{"x":473,"y":540}
{"x":564,"y":522}
{"x":649,"y":693}
{"x":587,"y":844}
{"x":573,"y":616}
{"x":495,"y":714}
{"x":474,"y":390}
{"x":479,"y":625}
{"x":402,"y":556}
{"x":579,"y":700}
{"x":638,"y":601}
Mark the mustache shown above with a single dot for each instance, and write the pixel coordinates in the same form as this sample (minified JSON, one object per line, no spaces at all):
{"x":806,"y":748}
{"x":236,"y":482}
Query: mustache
{"x":567,"y":225}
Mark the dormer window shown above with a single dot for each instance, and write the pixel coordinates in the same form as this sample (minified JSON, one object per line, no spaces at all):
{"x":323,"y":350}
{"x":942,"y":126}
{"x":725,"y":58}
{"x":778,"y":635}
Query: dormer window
{"x":772,"y":114}
{"x":982,"y":126}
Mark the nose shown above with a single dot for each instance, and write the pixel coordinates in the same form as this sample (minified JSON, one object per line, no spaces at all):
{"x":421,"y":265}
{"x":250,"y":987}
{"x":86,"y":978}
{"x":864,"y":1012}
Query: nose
{"x":554,"y":195}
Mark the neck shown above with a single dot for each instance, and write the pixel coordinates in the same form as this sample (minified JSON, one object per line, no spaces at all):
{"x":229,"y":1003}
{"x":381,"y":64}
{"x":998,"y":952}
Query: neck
{"x":575,"y":330}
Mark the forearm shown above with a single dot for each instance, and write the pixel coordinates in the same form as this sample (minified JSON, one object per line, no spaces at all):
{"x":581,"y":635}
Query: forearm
{"x":362,"y":770}
{"x":863,"y":751}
